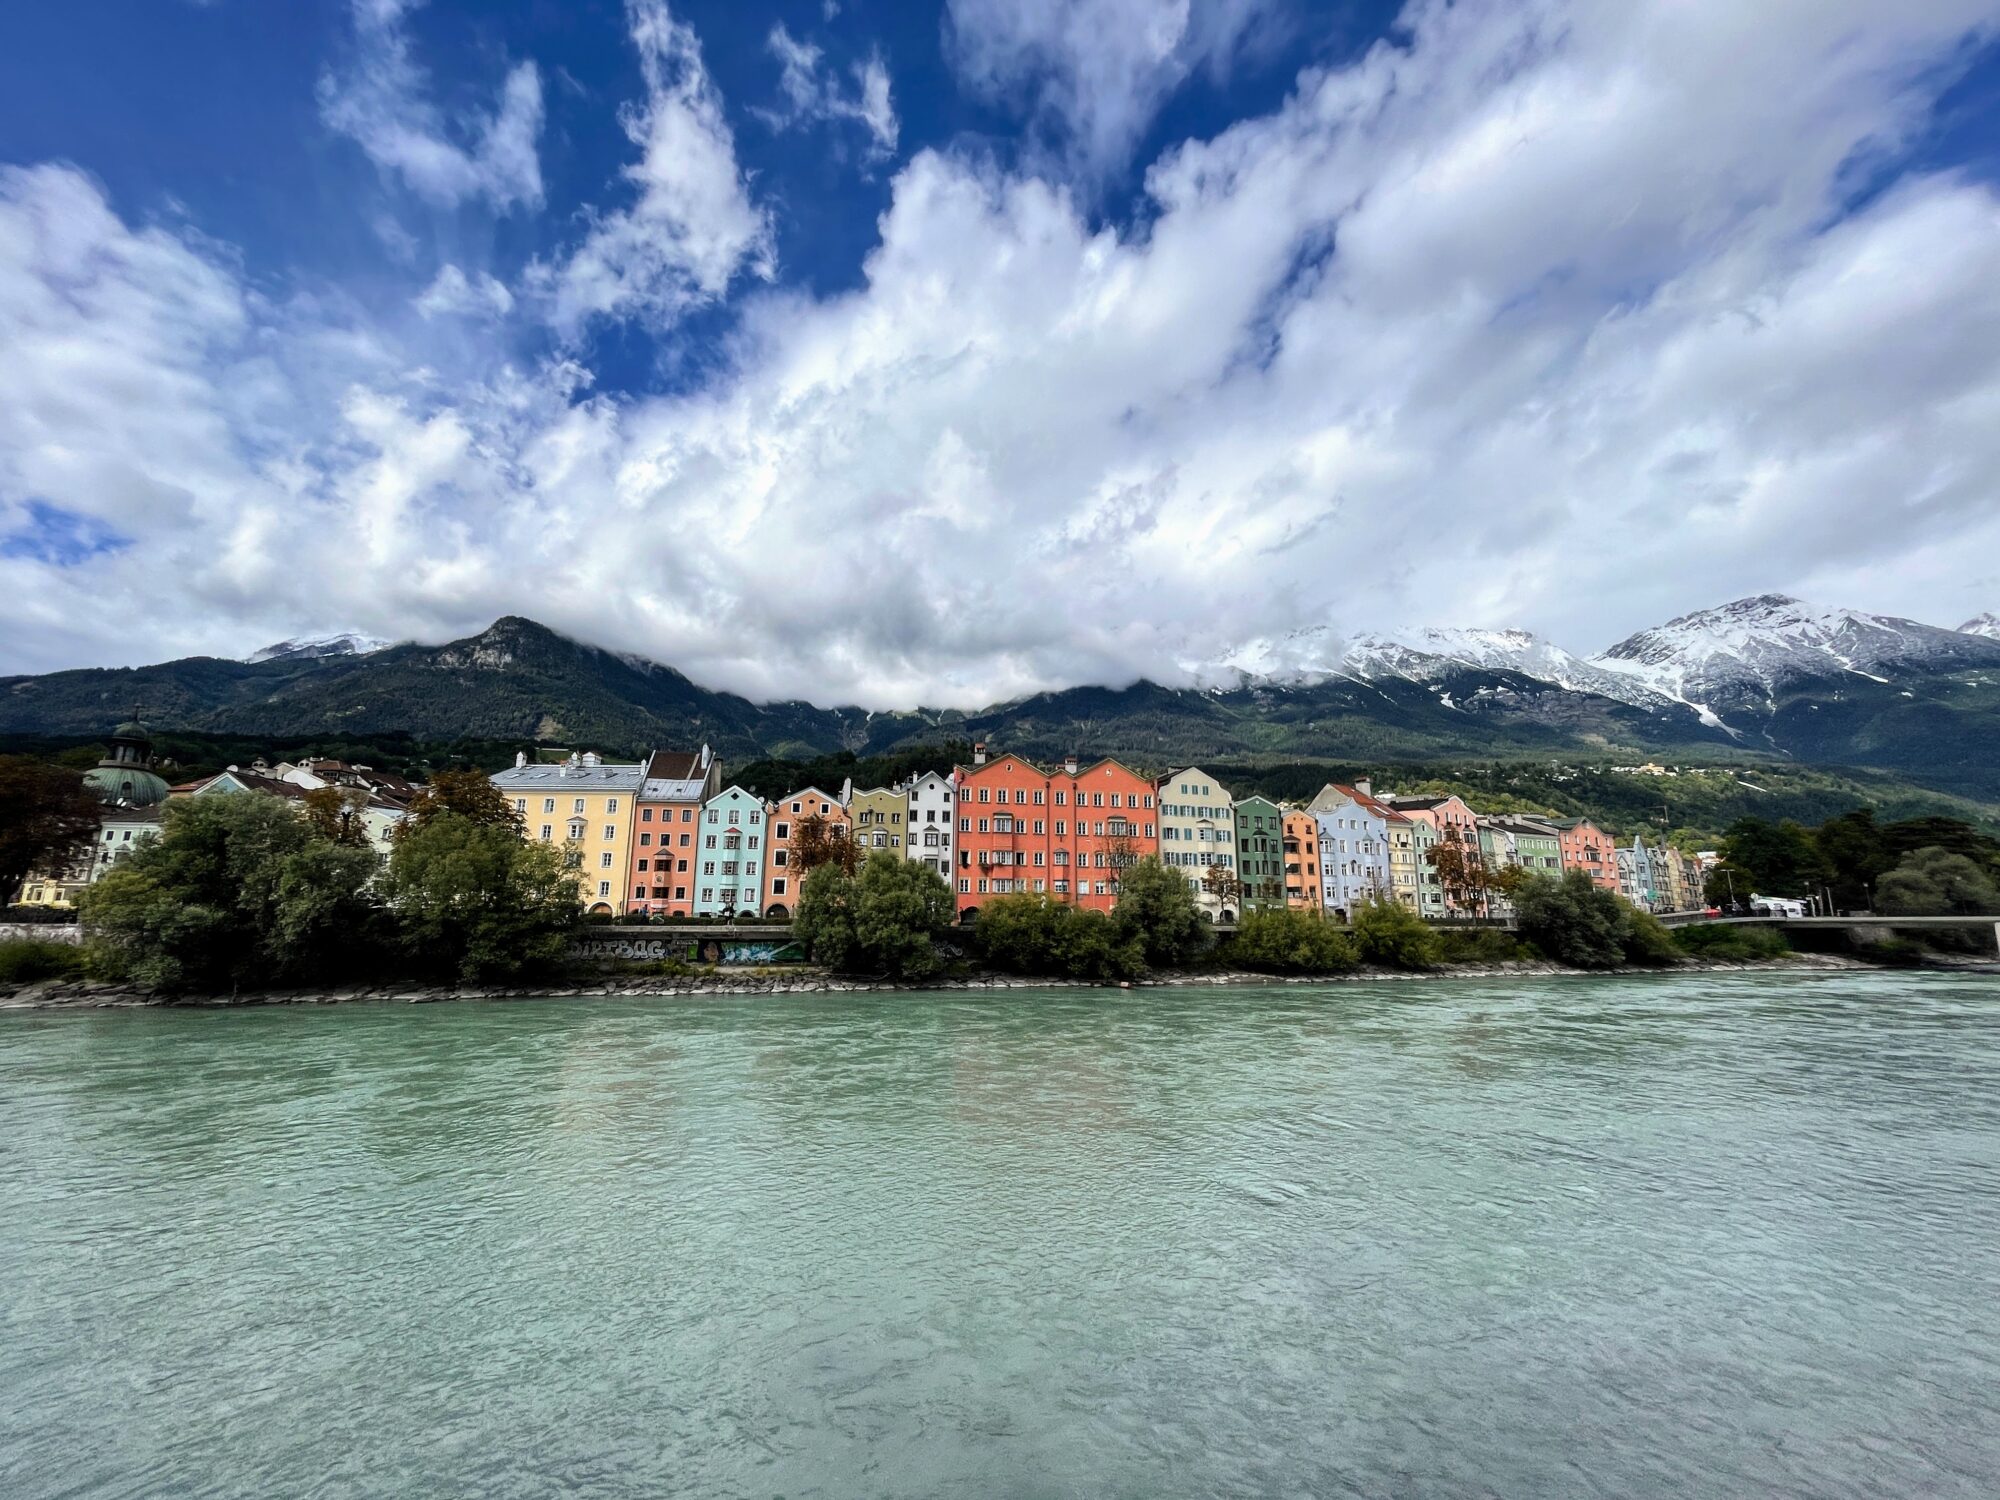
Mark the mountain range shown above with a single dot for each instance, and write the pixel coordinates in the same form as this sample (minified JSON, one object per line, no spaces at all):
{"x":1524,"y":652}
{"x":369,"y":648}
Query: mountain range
{"x":1759,"y":678}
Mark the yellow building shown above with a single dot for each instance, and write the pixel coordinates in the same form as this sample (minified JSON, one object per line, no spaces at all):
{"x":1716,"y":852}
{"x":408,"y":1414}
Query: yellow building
{"x":878,"y":818}
{"x":585,"y":806}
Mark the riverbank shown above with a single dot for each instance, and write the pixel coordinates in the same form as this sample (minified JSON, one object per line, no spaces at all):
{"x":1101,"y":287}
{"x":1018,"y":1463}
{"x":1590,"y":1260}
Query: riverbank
{"x":93,"y":995}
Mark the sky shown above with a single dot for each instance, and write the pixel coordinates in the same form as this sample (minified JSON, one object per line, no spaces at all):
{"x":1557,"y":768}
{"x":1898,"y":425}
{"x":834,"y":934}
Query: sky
{"x":886,"y":353}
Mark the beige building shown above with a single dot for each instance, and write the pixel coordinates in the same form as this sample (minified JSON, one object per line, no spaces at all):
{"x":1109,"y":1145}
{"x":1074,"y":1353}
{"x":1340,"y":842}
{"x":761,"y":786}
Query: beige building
{"x":1198,"y":835}
{"x":879,"y":818}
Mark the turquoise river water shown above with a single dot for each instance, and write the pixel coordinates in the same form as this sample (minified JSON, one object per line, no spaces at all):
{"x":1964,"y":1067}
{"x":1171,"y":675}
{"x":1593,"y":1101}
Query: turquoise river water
{"x":1676,"y":1237}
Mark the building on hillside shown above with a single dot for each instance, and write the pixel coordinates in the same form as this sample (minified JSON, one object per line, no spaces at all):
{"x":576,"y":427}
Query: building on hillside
{"x":930,"y":814}
{"x":1588,"y":848}
{"x":1197,"y":819}
{"x":132,"y":794}
{"x":1451,"y":822}
{"x":1067,"y":832}
{"x":673,"y":792}
{"x":729,"y":859}
{"x":587,"y":807}
{"x":1303,"y":889}
{"x":1260,"y":852}
{"x":1353,"y":846}
{"x":781,"y":880}
{"x":877,"y":819}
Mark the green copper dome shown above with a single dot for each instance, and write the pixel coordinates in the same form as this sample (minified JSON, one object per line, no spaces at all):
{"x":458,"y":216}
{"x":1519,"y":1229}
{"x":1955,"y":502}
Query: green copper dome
{"x":123,"y":775}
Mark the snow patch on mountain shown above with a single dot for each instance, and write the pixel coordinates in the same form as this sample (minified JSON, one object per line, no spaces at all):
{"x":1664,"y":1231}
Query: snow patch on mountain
{"x":1987,"y":624}
{"x":314,"y":647}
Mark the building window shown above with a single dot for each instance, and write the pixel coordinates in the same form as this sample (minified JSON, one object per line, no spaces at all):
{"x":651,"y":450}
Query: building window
{"x":603,"y":887}
{"x":548,"y":804}
{"x":610,"y":832}
{"x":579,"y":805}
{"x":545,"y":833}
{"x":604,"y":860}
{"x":645,"y":815}
{"x":520,"y":804}
{"x":610,"y":805}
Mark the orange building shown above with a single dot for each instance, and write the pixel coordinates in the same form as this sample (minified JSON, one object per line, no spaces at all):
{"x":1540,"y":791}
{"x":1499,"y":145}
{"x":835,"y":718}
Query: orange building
{"x":1065,"y":833}
{"x":1588,"y":848}
{"x":664,"y":830}
{"x":1303,"y":891}
{"x":781,"y":883}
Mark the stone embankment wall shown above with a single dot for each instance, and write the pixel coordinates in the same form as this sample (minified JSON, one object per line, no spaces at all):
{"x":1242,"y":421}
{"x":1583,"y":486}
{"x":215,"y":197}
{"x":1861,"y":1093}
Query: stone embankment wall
{"x":44,"y":932}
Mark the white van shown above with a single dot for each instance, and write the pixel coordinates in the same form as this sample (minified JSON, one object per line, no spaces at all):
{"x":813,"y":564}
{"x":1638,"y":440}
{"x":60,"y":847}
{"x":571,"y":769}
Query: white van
{"x":1776,"y":906}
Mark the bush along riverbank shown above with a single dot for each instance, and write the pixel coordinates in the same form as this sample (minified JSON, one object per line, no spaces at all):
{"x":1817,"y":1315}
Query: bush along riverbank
{"x":243,"y":899}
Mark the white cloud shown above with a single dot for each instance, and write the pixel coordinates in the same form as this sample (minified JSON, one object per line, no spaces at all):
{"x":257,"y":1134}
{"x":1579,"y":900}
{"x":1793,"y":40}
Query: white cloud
{"x":1091,"y":74}
{"x":1551,"y":314}
{"x":382,"y":103}
{"x":454,"y":294}
{"x":693,"y":227}
{"x":814,"y":93}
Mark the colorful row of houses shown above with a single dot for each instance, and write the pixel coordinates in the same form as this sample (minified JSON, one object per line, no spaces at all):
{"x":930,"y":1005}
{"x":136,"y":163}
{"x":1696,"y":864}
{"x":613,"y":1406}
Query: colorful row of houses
{"x":668,"y":836}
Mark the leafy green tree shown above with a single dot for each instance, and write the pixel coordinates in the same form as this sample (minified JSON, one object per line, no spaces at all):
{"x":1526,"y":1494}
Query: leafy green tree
{"x":476,"y":902}
{"x":1937,"y":882}
{"x":887,"y":920}
{"x":335,"y":813}
{"x":824,"y":922}
{"x":1157,"y":910}
{"x":1648,"y":941}
{"x":470,"y":795}
{"x":1574,"y":920}
{"x":1388,"y":933}
{"x":1035,"y":934}
{"x":1772,"y":859}
{"x":1856,"y":854}
{"x":238,"y":891}
{"x":1283,"y":941}
{"x":48,"y":820}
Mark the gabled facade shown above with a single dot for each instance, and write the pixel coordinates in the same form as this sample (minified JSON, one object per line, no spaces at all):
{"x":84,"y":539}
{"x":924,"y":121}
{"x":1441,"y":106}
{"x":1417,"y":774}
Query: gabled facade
{"x":1304,"y":890}
{"x":667,"y":830}
{"x":1588,"y":848}
{"x":1066,"y":833}
{"x":585,"y":806}
{"x":1197,"y":819}
{"x":930,"y":818}
{"x":781,"y":881}
{"x":1518,"y":843}
{"x":1450,"y":821}
{"x":1260,"y":853}
{"x":730,"y":855}
{"x":877,"y":817}
{"x":1353,"y":847}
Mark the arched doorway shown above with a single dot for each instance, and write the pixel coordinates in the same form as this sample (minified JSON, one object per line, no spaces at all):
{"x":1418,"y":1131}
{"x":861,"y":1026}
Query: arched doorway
{"x":968,"y":916}
{"x":777,"y":912}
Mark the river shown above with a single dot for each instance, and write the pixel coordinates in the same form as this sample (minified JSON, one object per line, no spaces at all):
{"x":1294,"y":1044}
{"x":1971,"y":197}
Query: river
{"x":1678,"y":1237}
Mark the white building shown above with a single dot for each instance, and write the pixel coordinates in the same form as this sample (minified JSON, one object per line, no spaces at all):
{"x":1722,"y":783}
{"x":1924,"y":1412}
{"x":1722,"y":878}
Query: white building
{"x":729,"y":873}
{"x":1354,"y":860}
{"x":932,"y":803}
{"x":1198,"y":834}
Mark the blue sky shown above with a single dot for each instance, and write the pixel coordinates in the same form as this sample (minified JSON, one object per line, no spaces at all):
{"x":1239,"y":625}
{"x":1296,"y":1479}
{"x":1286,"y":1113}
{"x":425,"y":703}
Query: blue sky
{"x":900,"y":353}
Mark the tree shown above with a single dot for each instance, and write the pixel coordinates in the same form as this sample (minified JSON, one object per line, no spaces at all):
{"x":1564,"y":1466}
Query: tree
{"x":1856,"y":855}
{"x":1937,"y":882}
{"x":1035,"y":934}
{"x":335,"y":813}
{"x":474,"y":901}
{"x":887,"y":920}
{"x":1576,"y":922}
{"x":1388,"y":933}
{"x":1156,"y":908}
{"x":470,"y":795}
{"x":1222,"y":883}
{"x":1461,"y":871}
{"x":817,"y":841}
{"x":48,"y":820}
{"x":238,"y":891}
{"x":1771,"y":859}
{"x":1283,"y":941}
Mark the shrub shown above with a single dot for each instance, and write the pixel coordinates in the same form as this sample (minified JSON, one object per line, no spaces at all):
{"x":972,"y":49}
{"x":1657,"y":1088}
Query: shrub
{"x":1936,"y":882}
{"x":238,"y":890}
{"x":24,"y":960}
{"x":1035,"y":934}
{"x":886,"y":920}
{"x":473,"y":901}
{"x":1483,"y":945}
{"x":1732,"y":944}
{"x":1290,"y":942}
{"x":1648,"y":942}
{"x":1157,"y":910}
{"x":1573,"y":920}
{"x":1388,"y":933}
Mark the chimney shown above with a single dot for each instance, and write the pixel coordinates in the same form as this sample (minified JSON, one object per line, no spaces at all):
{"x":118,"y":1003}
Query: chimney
{"x":1071,"y":765}
{"x":592,"y":758}
{"x":520,"y":759}
{"x":1365,"y":786}
{"x":979,"y":752}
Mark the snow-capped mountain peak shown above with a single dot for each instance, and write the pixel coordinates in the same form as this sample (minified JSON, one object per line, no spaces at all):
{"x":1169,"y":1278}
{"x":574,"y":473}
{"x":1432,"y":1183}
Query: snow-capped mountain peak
{"x":312,"y":647}
{"x":1743,"y":652}
{"x":1987,"y":624}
